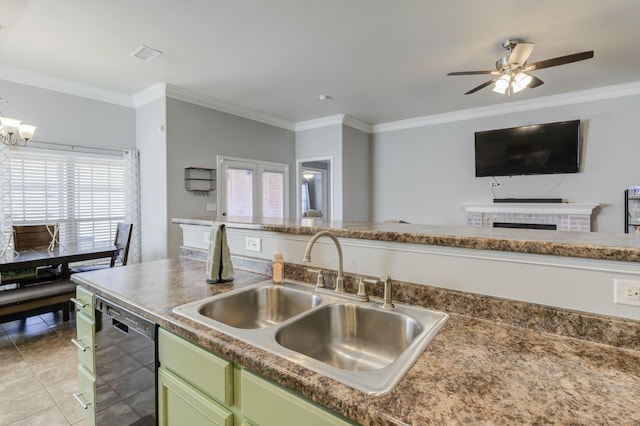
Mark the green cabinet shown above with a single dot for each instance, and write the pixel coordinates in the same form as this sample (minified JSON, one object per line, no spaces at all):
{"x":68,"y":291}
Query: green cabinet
{"x":195,"y":382}
{"x":85,"y":343}
{"x":179,"y":403}
{"x":194,"y":386}
{"x":265,"y":404}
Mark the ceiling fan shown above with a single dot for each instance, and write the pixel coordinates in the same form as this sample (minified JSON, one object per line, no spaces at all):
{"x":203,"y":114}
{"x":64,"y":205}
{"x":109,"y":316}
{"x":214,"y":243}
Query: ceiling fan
{"x":511,"y":73}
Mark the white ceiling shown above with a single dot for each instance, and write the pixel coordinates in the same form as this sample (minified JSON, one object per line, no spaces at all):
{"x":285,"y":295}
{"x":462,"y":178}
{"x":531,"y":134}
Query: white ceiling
{"x":379,"y":60}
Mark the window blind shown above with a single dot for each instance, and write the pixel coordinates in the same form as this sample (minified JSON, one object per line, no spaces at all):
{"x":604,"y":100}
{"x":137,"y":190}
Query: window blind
{"x":82,"y":193}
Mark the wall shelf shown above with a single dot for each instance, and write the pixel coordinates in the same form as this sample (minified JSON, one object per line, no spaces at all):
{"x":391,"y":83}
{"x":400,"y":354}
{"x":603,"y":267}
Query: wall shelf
{"x":199,"y":181}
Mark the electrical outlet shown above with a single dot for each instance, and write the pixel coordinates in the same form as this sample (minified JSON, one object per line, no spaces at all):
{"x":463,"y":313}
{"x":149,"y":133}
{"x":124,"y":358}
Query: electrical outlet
{"x":632,"y":293}
{"x":253,"y":244}
{"x":495,"y":184}
{"x":626,"y":292}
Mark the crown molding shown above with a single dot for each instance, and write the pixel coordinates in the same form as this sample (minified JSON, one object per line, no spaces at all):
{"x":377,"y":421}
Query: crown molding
{"x":356,"y":124}
{"x":63,"y":86}
{"x":225,"y":106}
{"x":150,"y":94}
{"x":601,"y":93}
{"x":316,"y":123}
{"x":333,"y":120}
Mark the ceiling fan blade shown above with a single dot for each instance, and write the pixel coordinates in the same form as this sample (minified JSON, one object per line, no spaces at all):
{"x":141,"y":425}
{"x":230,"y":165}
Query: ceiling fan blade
{"x":561,"y":60}
{"x":520,"y":53}
{"x":535,"y":82}
{"x":472,"y":72}
{"x":482,"y":86}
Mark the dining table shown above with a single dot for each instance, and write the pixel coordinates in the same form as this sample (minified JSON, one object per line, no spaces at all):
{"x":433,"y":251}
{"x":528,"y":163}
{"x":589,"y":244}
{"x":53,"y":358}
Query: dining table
{"x":61,"y":255}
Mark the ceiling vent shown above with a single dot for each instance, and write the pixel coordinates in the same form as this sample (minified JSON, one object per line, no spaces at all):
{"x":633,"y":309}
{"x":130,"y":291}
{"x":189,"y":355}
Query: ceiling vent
{"x":145,"y":53}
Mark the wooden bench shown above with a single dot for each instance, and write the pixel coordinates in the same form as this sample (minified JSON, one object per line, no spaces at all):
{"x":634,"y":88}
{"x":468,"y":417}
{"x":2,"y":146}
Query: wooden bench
{"x":37,"y":299}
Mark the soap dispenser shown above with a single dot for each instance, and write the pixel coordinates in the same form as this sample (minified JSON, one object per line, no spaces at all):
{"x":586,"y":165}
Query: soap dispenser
{"x":278,"y":268}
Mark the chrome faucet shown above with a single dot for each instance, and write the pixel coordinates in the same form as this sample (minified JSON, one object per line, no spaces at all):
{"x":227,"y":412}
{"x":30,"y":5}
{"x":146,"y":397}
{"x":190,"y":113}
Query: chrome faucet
{"x":307,"y":256}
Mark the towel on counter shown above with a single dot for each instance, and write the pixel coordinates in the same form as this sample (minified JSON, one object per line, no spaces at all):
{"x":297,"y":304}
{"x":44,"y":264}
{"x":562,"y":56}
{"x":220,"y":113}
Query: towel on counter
{"x":219,"y":267}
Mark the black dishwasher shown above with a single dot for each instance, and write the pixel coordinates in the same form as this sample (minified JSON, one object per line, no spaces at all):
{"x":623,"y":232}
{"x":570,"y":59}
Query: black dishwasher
{"x":126,"y":367}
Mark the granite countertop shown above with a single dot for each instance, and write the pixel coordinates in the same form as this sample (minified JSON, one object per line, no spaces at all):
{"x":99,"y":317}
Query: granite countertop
{"x":474,"y":372}
{"x":590,"y":245}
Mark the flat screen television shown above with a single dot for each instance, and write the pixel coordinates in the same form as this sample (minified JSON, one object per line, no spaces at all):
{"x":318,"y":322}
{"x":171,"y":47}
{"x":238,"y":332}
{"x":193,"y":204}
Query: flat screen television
{"x":529,"y":150}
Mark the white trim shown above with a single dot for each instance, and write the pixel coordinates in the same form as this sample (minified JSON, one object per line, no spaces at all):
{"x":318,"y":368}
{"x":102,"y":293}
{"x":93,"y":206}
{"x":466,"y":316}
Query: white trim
{"x":226,"y":106}
{"x":63,"y":86}
{"x":356,"y":124}
{"x":317,"y":123}
{"x":159,"y":90}
{"x":258,"y":167}
{"x":532,"y":208}
{"x":329,"y":183}
{"x":150,"y":94}
{"x":333,"y":120}
{"x":609,"y":92}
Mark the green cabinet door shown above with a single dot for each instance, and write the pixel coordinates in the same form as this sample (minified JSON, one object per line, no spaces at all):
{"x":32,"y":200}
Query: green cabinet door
{"x":266,"y":404}
{"x":181,"y":404}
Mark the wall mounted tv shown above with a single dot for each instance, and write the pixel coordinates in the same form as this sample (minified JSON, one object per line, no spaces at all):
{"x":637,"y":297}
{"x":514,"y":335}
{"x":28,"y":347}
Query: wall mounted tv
{"x":529,"y":150}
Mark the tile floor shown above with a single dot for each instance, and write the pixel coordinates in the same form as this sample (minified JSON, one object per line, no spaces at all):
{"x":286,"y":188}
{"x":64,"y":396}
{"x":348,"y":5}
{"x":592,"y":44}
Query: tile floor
{"x":38,"y":372}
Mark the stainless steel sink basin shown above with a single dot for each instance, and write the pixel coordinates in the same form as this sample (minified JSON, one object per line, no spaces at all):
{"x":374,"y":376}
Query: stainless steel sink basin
{"x":356,"y":343}
{"x":350,"y":337}
{"x":259,"y":307}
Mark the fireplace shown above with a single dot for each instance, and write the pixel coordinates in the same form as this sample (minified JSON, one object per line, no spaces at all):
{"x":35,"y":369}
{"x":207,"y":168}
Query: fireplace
{"x":560,"y":216}
{"x":525,"y":225}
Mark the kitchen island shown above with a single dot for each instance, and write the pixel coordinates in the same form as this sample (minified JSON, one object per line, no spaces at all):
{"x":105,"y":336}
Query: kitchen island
{"x":475,"y":371}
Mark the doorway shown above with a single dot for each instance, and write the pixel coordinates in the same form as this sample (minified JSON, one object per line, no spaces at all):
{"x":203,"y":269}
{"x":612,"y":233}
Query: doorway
{"x":314,"y":183}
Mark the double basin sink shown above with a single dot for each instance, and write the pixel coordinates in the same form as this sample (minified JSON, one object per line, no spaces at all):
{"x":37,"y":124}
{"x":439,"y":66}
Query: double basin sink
{"x":356,"y":343}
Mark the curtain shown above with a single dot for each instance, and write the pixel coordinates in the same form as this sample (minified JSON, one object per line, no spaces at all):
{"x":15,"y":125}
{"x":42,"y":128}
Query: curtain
{"x":6,"y":224}
{"x":132,"y":201}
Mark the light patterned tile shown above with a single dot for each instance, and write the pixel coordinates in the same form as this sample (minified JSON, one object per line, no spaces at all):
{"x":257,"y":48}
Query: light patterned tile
{"x":49,"y":417}
{"x":32,"y":335}
{"x":13,"y":363}
{"x":50,"y":373}
{"x":19,"y":381}
{"x":14,"y":408}
{"x":62,"y":394}
{"x":49,"y":350}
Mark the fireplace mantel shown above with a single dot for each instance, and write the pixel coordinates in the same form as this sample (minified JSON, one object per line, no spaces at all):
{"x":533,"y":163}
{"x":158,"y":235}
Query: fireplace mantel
{"x":566,"y":216}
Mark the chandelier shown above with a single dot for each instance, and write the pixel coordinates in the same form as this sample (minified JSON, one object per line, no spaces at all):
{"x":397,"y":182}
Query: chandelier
{"x":13,"y":132}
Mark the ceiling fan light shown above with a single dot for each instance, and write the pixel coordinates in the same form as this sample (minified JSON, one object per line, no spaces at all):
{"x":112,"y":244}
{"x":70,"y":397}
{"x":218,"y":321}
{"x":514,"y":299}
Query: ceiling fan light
{"x":521,"y":80}
{"x":501,"y":90}
{"x":503,"y":82}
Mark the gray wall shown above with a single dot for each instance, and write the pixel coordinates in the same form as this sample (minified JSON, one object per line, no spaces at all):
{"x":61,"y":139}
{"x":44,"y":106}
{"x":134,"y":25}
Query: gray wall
{"x":423,"y":174}
{"x":152,"y":144}
{"x":349,"y":150}
{"x":355,"y":175}
{"x":196,"y":135}
{"x":68,"y":119}
{"x":324,"y":142}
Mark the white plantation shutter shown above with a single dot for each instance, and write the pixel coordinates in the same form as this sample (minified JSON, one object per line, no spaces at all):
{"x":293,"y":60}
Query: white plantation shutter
{"x":83,"y":193}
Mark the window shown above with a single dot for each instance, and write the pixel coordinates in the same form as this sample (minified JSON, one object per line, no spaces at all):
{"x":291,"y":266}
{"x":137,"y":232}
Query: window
{"x":252,"y":188}
{"x":83,"y":193}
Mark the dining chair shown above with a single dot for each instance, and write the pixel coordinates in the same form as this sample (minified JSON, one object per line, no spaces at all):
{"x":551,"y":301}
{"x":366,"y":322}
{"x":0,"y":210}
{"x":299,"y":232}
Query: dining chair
{"x":32,"y":236}
{"x":37,"y":236}
{"x":122,"y":241}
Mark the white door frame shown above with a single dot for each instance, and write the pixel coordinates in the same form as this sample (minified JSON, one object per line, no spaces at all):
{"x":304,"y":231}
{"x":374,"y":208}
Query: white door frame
{"x":259,"y":166}
{"x":329,"y":183}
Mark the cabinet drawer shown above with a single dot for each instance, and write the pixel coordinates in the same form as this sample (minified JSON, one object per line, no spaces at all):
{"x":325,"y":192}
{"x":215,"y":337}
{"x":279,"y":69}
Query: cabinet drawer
{"x":266,"y":404}
{"x":85,"y":341}
{"x":84,"y":301}
{"x":86,"y":396}
{"x":209,"y":373}
{"x":180,"y":404}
